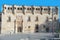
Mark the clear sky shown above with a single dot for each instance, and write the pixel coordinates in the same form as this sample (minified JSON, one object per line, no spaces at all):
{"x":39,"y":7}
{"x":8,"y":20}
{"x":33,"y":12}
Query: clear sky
{"x":31,"y":2}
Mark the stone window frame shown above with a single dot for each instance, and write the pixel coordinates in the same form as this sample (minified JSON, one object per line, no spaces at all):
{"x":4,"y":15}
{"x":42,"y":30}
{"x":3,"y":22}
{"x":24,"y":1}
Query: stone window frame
{"x":9,"y":19}
{"x":29,"y":18}
{"x":9,"y":8}
{"x":37,"y":19}
{"x":14,"y":7}
{"x":37,"y":9}
{"x":4,"y":7}
{"x":19,"y":8}
{"x":29,"y":8}
{"x":45,"y":9}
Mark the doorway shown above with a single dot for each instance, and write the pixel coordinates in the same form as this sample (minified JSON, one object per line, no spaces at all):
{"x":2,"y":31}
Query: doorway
{"x":36,"y":28}
{"x":19,"y":29}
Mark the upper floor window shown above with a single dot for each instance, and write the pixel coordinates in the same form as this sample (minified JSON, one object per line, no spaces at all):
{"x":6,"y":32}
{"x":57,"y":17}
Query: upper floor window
{"x":19,"y":8}
{"x":56,"y":10}
{"x":29,"y":18}
{"x":45,"y":9}
{"x":9,"y":19}
{"x":28,"y":8}
{"x":14,"y":7}
{"x":4,"y":7}
{"x":37,"y":8}
{"x":48,"y":10}
{"x":41,"y":10}
{"x":9,"y":8}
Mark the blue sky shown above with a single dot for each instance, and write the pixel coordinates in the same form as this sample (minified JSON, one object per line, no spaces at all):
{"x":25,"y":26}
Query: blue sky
{"x":31,"y":2}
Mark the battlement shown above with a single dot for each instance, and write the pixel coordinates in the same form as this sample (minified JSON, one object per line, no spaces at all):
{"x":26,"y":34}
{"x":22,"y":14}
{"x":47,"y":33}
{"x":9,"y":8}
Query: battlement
{"x":29,"y":9}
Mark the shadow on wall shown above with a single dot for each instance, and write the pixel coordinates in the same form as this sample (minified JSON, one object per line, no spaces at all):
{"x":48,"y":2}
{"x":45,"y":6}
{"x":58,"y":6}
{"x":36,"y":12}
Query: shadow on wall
{"x":49,"y":26}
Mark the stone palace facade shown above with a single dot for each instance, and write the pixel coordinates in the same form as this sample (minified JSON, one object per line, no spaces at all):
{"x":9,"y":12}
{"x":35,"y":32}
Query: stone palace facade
{"x":28,"y":19}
